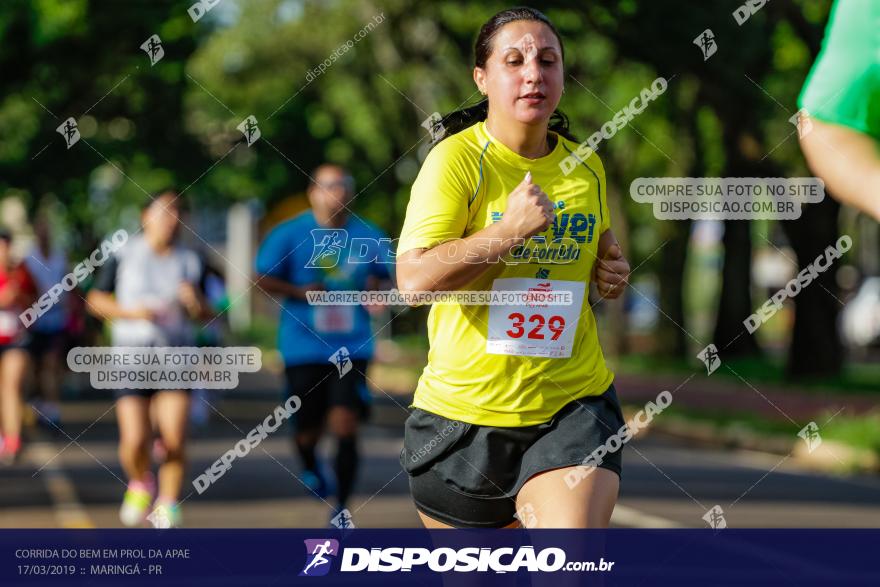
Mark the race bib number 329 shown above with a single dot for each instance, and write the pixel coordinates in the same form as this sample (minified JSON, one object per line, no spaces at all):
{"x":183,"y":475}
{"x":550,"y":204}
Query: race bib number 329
{"x":534,"y":328}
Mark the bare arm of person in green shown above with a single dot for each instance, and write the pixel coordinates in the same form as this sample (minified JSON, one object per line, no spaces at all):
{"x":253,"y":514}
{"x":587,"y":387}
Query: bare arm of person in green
{"x":839,"y":126}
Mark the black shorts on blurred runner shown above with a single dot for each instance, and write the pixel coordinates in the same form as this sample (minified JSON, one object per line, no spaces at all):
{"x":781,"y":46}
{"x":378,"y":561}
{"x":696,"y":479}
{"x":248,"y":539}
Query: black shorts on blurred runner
{"x":467,"y":475}
{"x":144,"y":393}
{"x":320,"y":387}
{"x":43,"y":343}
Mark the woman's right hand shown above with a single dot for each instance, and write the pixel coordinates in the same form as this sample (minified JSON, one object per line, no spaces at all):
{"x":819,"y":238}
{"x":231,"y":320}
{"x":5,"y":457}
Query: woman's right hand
{"x":141,"y":313}
{"x":529,"y":211}
{"x":8,"y":296}
{"x":301,"y":291}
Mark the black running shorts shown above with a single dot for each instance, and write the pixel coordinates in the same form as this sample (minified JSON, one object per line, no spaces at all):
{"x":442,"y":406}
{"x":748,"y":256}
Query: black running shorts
{"x":467,"y":475}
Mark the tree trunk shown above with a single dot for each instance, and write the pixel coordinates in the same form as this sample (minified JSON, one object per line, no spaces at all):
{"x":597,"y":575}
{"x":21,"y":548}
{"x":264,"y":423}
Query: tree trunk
{"x":672,"y":337}
{"x":735,"y":303}
{"x":815,"y":349}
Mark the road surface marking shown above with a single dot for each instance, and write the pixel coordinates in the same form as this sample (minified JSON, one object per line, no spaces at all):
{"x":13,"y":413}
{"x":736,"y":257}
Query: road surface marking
{"x":68,"y":510}
{"x":633,"y":518}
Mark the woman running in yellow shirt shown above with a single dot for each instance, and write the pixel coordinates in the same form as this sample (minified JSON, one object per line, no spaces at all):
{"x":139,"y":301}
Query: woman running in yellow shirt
{"x":514,"y":399}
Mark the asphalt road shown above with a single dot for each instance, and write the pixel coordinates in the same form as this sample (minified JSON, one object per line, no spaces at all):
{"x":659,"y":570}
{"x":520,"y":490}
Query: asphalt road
{"x":75,"y":481}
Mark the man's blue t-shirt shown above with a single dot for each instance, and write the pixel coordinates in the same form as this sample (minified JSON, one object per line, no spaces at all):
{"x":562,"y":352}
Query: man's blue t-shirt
{"x":300,"y":251}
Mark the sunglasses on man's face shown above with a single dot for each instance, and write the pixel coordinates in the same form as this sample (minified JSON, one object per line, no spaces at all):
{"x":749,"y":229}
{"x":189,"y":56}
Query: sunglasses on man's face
{"x":343,"y":184}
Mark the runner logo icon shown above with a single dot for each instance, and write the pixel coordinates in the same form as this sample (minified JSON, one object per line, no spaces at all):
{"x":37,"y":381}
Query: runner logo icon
{"x":318,"y":556}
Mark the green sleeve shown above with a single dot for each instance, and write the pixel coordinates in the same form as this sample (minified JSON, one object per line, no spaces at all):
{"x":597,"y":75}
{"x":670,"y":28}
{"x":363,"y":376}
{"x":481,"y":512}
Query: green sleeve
{"x":843,"y":86}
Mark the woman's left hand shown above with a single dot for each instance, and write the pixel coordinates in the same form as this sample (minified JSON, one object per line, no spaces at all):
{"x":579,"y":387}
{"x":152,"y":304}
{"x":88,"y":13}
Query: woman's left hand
{"x":190,"y":299}
{"x":611,"y":273}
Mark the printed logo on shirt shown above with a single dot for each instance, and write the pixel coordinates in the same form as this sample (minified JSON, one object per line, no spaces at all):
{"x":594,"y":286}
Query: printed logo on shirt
{"x":578,"y":226}
{"x":496,"y":215}
{"x":567,"y":233}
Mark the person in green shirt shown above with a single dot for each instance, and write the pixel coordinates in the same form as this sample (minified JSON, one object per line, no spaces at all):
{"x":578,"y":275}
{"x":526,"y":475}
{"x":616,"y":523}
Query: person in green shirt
{"x":839,"y":125}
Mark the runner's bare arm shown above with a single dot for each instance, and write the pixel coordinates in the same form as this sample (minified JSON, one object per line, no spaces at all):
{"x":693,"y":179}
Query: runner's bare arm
{"x":8,"y":296}
{"x":455,"y":263}
{"x":195,"y":304}
{"x":848,"y":162}
{"x":103,"y":305}
{"x":280,"y":287}
{"x":611,"y":270}
{"x":374,"y":284}
{"x":26,"y":290}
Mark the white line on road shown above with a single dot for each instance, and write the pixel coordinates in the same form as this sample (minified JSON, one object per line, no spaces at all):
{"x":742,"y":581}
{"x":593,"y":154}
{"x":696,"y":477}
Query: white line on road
{"x":633,"y":518}
{"x":714,"y":458}
{"x":68,"y":510}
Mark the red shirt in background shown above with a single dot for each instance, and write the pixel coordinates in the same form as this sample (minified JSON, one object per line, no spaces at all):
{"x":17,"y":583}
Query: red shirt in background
{"x":18,"y":278}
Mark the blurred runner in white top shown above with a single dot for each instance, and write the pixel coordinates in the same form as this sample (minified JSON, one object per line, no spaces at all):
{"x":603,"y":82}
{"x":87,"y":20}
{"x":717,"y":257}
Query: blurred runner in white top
{"x":155,"y":282}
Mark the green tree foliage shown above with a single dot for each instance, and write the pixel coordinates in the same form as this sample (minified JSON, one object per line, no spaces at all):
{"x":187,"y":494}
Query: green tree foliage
{"x":351,"y":81}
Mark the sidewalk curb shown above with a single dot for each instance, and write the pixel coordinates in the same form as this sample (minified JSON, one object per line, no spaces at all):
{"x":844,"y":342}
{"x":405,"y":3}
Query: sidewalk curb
{"x":773,"y":402}
{"x":831,"y":456}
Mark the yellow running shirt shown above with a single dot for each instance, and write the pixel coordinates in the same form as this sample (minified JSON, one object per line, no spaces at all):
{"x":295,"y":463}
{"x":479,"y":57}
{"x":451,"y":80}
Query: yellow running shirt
{"x":507,"y":365}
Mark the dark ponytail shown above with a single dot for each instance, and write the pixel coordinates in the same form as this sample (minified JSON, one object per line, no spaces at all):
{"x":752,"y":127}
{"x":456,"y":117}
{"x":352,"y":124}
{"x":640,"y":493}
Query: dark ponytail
{"x":459,"y":120}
